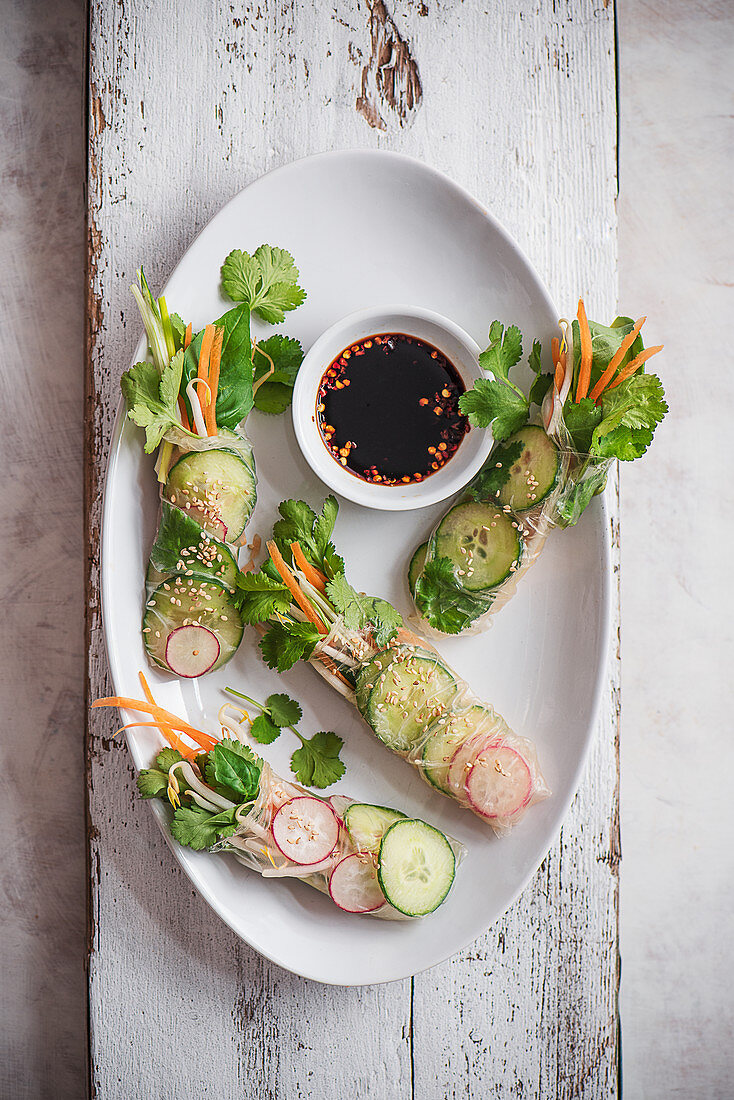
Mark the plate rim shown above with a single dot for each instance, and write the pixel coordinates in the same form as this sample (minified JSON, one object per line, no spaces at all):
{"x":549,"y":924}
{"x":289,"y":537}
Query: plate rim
{"x":604,"y":595}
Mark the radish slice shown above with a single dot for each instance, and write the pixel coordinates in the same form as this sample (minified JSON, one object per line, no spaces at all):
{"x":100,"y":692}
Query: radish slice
{"x":499,"y":784}
{"x":306,"y":830}
{"x":354,"y":887}
{"x":191,"y":651}
{"x":463,"y":760}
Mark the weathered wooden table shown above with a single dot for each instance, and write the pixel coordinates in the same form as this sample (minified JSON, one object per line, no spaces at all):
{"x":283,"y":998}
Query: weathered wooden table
{"x":187,"y":104}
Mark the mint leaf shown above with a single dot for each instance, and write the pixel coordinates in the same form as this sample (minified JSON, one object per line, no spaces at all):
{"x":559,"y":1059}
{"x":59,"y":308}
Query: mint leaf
{"x":152,"y":783}
{"x":360,"y":611}
{"x":442,"y":602}
{"x":152,"y":398}
{"x":196,"y":828}
{"x":275,"y":393}
{"x":236,"y":768}
{"x":283,"y":710}
{"x":264,"y":730}
{"x":234,"y":391}
{"x":286,"y":643}
{"x":267,"y":281}
{"x":496,"y":404}
{"x":177,"y":532}
{"x":317,"y":763}
{"x":258,"y":597}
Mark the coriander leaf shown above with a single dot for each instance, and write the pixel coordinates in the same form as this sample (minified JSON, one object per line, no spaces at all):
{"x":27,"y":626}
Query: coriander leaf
{"x":152,"y":398}
{"x":166,"y":757}
{"x":495,"y":403}
{"x":283,"y":710}
{"x":629,"y":415}
{"x":296,"y":525}
{"x":286,"y":643}
{"x":267,"y":281}
{"x":196,"y":828}
{"x":442,"y":603}
{"x":236,"y":768}
{"x":317,"y":763}
{"x":152,"y":783}
{"x":360,"y":611}
{"x":332,"y":563}
{"x":264,"y":730}
{"x":179,"y":329}
{"x":503,"y":352}
{"x":581,"y":418}
{"x":258,"y":597}
{"x":324,"y":525}
{"x":495,"y":473}
{"x":274,"y":394}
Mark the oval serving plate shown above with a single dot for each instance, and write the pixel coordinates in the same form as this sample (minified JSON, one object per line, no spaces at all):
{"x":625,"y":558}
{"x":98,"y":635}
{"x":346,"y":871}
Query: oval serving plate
{"x":367,"y":228}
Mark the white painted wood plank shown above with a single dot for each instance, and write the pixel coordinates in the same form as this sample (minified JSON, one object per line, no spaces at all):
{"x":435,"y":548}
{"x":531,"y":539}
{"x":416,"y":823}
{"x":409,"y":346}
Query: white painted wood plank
{"x":187,"y":105}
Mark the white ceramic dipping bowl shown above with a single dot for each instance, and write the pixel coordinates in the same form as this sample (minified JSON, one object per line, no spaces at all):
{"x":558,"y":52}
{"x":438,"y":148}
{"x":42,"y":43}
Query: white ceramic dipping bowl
{"x":451,"y":341}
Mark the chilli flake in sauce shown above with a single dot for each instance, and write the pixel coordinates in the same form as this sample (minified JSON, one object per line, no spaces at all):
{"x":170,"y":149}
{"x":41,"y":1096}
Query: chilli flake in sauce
{"x":388,"y":409}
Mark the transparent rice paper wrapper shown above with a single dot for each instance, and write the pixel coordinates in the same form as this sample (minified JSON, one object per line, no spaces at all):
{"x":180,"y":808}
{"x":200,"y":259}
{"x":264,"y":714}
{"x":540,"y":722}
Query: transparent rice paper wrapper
{"x":580,"y":477}
{"x":422,"y":710}
{"x":197,"y":568}
{"x":253,"y":843}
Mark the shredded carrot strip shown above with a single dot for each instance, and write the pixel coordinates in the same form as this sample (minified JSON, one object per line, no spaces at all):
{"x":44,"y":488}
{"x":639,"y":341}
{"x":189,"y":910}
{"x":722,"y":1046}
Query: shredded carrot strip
{"x":637,"y":362}
{"x":582,"y":386}
{"x":173,"y":739}
{"x":210,"y":414}
{"x":205,"y":351}
{"x":170,"y":735}
{"x":294,"y":588}
{"x":187,"y":335}
{"x":617,"y":359}
{"x":160,"y":715}
{"x":184,"y":414}
{"x":315,"y":576}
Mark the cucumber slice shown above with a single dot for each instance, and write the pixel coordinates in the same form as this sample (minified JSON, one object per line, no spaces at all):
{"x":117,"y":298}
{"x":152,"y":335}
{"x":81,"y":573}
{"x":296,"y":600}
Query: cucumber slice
{"x":220,"y":488}
{"x":368,"y":824}
{"x":408,"y":697}
{"x":533,"y":474}
{"x":415,"y":868}
{"x":441,"y":746}
{"x":198,"y":602}
{"x":183,"y":546}
{"x":481,"y":542}
{"x":416,"y":566}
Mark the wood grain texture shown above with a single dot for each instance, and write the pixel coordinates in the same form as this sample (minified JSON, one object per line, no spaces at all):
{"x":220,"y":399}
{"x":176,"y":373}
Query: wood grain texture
{"x":518,"y":104}
{"x":42,"y":879}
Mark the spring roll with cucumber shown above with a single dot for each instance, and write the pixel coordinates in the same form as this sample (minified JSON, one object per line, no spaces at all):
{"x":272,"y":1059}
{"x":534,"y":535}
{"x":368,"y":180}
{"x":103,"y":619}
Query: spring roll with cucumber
{"x":192,"y":398}
{"x":555,"y":440}
{"x":406,"y":692}
{"x":369,"y":859}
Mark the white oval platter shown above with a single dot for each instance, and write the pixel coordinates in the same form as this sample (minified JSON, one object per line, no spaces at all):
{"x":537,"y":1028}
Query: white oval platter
{"x":368,"y":228}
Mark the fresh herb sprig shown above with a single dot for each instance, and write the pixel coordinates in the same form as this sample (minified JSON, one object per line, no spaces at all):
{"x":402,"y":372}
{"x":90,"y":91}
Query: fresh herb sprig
{"x":267,"y":281}
{"x":231,"y":781}
{"x":301,"y":600}
{"x":316,"y":763}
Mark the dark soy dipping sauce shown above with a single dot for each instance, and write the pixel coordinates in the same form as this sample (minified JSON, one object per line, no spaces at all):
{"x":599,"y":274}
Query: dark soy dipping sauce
{"x":388,"y":409}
